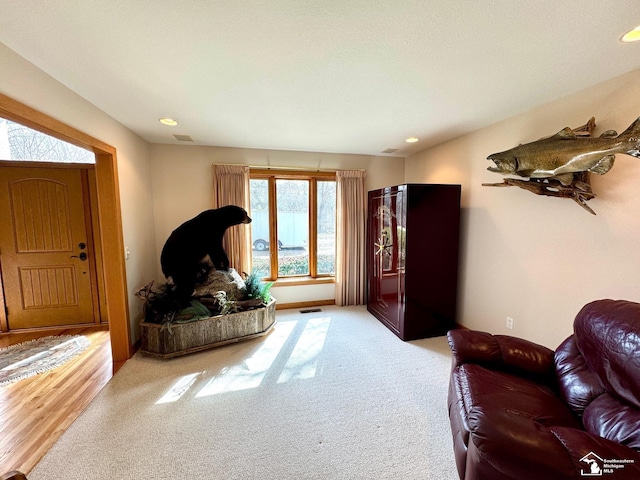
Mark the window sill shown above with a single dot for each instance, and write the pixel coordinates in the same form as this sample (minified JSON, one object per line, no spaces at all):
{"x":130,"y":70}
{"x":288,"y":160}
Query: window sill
{"x":297,"y":281}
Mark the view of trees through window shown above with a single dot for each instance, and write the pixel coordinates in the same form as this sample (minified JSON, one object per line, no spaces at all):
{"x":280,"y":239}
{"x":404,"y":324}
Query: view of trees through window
{"x":303,"y":243}
{"x":18,"y":142}
{"x":326,"y":228}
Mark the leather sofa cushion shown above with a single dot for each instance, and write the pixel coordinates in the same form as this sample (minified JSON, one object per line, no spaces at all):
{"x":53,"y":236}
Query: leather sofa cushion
{"x":612,"y":419}
{"x":500,"y":423}
{"x":506,"y":445}
{"x":606,"y":334}
{"x":479,"y":386}
{"x":577,"y":385}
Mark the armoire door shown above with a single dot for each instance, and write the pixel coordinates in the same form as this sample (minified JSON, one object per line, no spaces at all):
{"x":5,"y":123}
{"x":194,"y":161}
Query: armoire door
{"x":44,"y":251}
{"x":385,"y":255}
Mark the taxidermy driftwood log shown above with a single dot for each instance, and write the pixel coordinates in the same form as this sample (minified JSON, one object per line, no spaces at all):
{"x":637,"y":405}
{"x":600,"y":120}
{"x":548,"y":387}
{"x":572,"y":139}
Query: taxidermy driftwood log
{"x":559,"y":166}
{"x":220,"y":293}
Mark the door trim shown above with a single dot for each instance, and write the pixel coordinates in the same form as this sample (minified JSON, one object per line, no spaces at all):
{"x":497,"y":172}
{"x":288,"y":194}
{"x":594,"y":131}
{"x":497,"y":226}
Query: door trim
{"x":109,"y":215}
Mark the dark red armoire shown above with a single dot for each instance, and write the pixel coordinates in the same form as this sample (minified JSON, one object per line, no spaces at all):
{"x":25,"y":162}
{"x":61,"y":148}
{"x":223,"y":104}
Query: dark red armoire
{"x":412,"y":258}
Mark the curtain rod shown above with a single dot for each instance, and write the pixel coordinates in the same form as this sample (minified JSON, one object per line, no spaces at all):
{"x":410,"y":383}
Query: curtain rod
{"x":303,"y":169}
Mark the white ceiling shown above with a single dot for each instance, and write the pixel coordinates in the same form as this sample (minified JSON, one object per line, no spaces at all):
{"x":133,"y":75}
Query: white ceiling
{"x":346,"y":76}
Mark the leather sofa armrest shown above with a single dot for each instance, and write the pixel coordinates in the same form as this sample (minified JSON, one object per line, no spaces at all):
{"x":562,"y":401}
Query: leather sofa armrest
{"x":472,"y":346}
{"x":503,"y":352}
{"x":622,"y":462}
{"x":13,"y":475}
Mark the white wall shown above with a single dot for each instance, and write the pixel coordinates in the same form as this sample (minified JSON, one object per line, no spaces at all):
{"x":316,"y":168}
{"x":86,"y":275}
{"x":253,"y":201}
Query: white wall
{"x":26,"y":83}
{"x":540,"y":259}
{"x":183,"y":187}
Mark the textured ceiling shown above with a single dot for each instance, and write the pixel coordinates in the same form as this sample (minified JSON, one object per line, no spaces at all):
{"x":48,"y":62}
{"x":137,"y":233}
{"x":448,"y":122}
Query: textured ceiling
{"x":332,"y":75}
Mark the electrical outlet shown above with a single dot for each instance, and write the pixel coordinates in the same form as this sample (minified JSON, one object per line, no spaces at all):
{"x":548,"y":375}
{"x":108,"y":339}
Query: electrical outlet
{"x":509,"y":323}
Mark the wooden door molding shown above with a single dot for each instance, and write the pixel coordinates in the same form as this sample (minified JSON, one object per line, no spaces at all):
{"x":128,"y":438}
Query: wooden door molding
{"x":109,"y":213}
{"x":3,"y":318}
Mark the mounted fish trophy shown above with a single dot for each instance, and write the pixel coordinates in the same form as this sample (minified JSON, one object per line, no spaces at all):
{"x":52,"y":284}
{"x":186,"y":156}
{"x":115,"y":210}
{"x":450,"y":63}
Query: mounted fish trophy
{"x":560,"y":166}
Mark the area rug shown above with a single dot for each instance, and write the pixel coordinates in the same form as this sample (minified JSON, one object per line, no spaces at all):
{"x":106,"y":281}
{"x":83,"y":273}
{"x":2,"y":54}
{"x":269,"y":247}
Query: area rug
{"x":26,"y":359}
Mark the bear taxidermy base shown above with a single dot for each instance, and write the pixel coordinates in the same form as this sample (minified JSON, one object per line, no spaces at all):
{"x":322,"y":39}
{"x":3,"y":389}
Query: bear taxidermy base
{"x":187,"y":246}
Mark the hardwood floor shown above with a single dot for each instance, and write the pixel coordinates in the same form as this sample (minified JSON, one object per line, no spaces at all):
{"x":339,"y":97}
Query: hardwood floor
{"x":36,"y":411}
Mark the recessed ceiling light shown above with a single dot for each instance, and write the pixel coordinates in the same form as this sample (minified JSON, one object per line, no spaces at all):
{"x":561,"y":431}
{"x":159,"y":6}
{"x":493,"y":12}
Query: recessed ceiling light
{"x":412,"y":140}
{"x":631,"y":36}
{"x":167,"y":121}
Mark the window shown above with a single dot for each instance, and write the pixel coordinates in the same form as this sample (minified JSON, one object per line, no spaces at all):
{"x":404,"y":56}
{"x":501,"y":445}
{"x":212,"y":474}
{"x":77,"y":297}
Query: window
{"x":293,"y":228}
{"x":18,"y":142}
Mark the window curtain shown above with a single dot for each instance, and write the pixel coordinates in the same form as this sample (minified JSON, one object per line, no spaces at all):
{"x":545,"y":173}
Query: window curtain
{"x":352,"y":217}
{"x":231,"y":187}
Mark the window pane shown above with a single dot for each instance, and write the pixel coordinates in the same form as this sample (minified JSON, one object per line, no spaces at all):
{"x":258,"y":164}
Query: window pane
{"x":292,"y":200}
{"x":18,"y":142}
{"x":326,"y":228}
{"x":259,"y":205}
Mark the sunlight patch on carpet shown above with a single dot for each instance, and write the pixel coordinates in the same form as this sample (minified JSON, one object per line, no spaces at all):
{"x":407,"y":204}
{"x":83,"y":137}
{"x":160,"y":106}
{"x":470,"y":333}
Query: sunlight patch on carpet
{"x":179,"y":388}
{"x":291,"y":352}
{"x":251,"y":372}
{"x":303,"y":362}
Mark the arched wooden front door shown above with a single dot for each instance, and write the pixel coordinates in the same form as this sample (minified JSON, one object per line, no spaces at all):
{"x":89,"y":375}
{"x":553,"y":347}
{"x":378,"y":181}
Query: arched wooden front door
{"x":46,"y":253}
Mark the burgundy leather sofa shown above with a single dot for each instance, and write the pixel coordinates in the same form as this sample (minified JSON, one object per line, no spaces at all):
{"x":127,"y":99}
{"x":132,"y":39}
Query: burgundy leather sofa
{"x":521,"y":411}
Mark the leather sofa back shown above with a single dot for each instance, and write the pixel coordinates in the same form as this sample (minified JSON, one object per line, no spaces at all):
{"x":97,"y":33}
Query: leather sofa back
{"x":608,"y":335}
{"x":578,"y":385}
{"x":598,"y":370}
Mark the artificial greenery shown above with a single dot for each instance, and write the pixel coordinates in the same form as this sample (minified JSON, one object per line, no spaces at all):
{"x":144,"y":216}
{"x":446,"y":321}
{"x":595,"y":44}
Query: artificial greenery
{"x":227,"y":303}
{"x":161,"y":305}
{"x":255,"y":288}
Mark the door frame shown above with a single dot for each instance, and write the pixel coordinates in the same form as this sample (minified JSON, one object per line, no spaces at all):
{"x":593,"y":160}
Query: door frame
{"x":109,"y":215}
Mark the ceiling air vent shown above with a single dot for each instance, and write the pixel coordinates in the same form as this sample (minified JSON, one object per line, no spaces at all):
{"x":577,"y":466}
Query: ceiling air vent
{"x":390,"y":150}
{"x":183,"y":138}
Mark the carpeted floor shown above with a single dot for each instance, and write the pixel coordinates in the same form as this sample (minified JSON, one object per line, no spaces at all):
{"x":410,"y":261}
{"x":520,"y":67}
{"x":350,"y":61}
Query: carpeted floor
{"x":330,"y":395}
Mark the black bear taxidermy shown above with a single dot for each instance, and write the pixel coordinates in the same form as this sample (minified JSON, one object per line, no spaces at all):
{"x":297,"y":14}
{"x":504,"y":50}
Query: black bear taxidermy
{"x":186,"y":247}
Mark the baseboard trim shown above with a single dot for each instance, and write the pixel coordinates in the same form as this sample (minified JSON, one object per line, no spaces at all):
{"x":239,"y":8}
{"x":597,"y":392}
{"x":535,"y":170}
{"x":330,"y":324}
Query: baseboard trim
{"x":135,"y":347}
{"x":315,"y":303}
